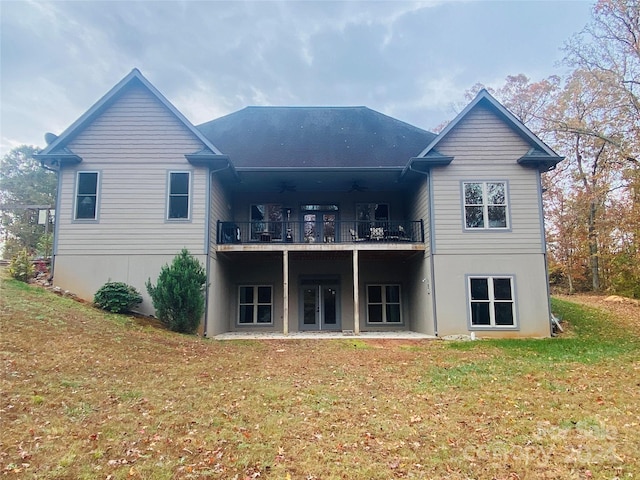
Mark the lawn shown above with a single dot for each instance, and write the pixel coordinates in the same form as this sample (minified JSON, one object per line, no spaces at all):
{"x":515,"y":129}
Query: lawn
{"x":85,"y":394}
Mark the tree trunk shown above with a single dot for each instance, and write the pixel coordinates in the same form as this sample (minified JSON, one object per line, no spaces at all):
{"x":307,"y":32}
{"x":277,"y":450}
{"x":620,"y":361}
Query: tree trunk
{"x":593,"y":248}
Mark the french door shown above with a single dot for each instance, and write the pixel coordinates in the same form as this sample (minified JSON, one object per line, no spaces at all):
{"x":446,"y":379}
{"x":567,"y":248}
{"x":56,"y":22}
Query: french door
{"x":319,"y":305}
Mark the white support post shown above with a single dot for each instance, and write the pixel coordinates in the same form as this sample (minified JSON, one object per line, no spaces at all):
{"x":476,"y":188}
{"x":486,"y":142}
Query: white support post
{"x":356,"y":295}
{"x":285,"y":289}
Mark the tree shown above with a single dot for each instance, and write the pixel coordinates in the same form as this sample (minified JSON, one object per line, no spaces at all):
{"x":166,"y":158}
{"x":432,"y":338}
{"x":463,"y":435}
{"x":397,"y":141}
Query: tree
{"x":178,"y":296}
{"x":608,"y":50}
{"x":23,"y":182}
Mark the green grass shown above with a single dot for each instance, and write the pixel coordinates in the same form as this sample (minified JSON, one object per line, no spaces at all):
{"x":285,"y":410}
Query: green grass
{"x":594,"y":337}
{"x":87,"y":394}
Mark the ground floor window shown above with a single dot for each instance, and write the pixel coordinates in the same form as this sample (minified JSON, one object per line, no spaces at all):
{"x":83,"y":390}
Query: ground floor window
{"x":255,"y":304}
{"x":383,"y":304}
{"x":491,"y":302}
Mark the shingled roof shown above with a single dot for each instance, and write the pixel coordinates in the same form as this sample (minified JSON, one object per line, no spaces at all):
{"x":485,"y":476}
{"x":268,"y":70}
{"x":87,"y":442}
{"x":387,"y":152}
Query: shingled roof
{"x":289,"y":137}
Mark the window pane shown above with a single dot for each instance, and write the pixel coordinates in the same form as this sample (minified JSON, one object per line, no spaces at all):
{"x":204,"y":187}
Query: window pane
{"x":473,"y":193}
{"x":264,"y":314}
{"x":495,"y":194}
{"x":393,"y":313}
{"x":375,"y":313}
{"x":381,"y":211}
{"x":86,"y":207}
{"x":502,"y":288}
{"x":497,"y":217}
{"x":87,"y":183}
{"x":479,"y":289}
{"x":257,"y":212}
{"x":264,"y":294}
{"x":480,"y":313}
{"x":375,"y":294}
{"x":474,"y":217}
{"x":179,"y":207}
{"x":393,"y":294}
{"x":179,"y":184}
{"x":246,"y":314}
{"x":504,"y":313}
{"x":246,"y":294}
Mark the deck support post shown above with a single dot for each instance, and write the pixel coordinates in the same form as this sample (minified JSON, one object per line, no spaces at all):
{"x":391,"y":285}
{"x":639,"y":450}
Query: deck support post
{"x":285,"y":292}
{"x":356,"y":294}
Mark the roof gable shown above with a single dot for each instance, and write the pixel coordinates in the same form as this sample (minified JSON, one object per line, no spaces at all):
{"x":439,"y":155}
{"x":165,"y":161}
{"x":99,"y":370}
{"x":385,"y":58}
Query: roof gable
{"x":59,"y":144}
{"x":315,"y":137}
{"x":544,"y":158}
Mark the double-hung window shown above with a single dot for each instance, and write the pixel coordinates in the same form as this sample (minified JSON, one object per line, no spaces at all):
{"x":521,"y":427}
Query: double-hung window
{"x":255,"y":304}
{"x":491,"y":302}
{"x":485,"y":205}
{"x":86,"y":196}
{"x":178,"y":196}
{"x":383,"y":304}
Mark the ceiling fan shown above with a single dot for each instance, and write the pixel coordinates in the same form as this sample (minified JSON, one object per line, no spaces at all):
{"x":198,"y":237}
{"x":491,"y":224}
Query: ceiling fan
{"x":356,"y":187}
{"x":287,"y":187}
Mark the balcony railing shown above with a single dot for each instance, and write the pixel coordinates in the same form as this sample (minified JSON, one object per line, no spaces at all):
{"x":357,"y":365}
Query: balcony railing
{"x":310,"y":232}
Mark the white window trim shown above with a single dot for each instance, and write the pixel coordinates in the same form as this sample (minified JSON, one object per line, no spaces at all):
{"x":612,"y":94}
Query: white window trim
{"x":76,"y":193}
{"x":485,"y":207}
{"x":255,"y":304}
{"x":384,"y":303}
{"x":189,"y":196}
{"x":492,"y":301}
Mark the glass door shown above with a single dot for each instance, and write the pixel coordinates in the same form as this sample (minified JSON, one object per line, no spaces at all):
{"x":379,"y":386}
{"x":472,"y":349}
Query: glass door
{"x":319,"y":307}
{"x":320,"y":223}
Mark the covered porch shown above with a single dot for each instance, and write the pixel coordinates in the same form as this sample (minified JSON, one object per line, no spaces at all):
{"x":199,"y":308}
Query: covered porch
{"x":327,"y":290}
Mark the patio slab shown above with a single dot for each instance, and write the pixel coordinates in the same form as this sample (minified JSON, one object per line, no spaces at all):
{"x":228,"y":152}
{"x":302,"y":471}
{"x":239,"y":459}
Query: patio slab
{"x":399,"y":335}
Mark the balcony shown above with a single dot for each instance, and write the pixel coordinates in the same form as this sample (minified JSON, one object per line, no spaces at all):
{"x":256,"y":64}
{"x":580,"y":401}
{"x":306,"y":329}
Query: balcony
{"x":320,"y":232}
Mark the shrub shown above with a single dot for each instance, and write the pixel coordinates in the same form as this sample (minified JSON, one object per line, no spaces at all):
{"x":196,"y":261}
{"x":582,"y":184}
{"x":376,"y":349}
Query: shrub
{"x":117,"y":297}
{"x":178,"y":296}
{"x":21,"y":266}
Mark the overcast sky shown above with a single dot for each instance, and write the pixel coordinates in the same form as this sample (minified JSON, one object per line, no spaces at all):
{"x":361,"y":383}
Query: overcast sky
{"x":410,"y":60}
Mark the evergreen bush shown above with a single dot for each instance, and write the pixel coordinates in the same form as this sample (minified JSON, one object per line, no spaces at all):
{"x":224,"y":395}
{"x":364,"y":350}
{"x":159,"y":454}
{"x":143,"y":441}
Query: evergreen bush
{"x":178,"y":296}
{"x":117,"y":297}
{"x":21,"y":266}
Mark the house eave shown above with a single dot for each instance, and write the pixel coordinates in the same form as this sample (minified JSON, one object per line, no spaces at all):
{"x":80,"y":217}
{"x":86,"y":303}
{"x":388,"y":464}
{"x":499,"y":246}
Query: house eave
{"x":543,"y":163}
{"x":57,"y":160}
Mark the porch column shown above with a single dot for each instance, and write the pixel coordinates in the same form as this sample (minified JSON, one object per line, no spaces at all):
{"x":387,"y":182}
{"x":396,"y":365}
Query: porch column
{"x":285,"y":292}
{"x":356,"y":295}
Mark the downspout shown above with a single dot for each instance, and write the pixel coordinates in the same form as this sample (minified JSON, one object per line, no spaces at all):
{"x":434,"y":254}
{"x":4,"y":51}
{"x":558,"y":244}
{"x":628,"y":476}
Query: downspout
{"x":431,"y":250}
{"x":208,"y":245}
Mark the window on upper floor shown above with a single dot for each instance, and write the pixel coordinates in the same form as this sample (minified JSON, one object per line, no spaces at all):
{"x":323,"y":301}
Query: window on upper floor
{"x":178,"y":196}
{"x":255,"y":304}
{"x":86,"y":207}
{"x":383,"y":304}
{"x":485,"y":205}
{"x":491,"y":302}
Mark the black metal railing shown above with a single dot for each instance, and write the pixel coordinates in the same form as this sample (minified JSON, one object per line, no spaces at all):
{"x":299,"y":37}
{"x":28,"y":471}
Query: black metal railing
{"x":310,"y":232}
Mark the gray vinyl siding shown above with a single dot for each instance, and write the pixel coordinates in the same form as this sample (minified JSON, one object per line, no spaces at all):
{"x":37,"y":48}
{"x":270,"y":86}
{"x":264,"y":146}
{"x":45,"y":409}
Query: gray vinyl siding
{"x":220,"y":209}
{"x":420,"y":210}
{"x":134,"y":144}
{"x":485,"y":148}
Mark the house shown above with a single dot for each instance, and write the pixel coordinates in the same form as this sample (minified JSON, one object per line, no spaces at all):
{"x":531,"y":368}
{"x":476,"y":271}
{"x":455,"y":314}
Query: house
{"x":310,"y":218}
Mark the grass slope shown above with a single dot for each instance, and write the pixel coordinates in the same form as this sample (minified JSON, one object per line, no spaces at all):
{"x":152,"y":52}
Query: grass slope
{"x":91,"y":395}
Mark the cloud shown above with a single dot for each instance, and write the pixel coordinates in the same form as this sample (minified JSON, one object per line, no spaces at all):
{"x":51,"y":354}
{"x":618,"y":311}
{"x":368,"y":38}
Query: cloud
{"x":407,"y":59}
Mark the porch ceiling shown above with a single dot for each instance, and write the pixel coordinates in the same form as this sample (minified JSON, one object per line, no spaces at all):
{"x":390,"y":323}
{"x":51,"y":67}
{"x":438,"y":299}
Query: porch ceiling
{"x":318,"y":180}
